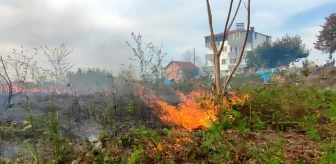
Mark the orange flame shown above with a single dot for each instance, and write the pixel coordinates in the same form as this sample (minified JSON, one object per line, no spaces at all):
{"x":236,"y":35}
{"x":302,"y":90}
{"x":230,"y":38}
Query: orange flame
{"x":172,"y":143}
{"x":234,"y":99}
{"x":17,"y":89}
{"x":189,"y":114}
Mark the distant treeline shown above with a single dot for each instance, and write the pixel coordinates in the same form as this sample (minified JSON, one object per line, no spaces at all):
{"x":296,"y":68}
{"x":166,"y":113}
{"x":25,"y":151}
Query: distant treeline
{"x":91,"y":77}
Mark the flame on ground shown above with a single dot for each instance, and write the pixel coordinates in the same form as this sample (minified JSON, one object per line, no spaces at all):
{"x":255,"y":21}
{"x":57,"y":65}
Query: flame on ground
{"x":17,"y":89}
{"x":189,"y":114}
{"x":171,"y":144}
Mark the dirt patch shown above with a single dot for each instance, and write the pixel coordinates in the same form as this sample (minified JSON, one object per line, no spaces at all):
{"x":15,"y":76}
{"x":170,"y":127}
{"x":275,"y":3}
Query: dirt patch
{"x":322,"y":76}
{"x":291,"y":143}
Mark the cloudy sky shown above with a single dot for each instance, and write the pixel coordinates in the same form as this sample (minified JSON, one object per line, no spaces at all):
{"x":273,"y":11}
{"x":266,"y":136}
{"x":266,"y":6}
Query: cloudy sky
{"x":96,"y":30}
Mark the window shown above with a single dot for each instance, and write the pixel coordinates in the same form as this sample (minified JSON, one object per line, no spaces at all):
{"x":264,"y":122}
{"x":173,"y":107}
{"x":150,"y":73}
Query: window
{"x":179,"y":72}
{"x":255,"y":35}
{"x":232,"y":60}
{"x":236,"y":36}
{"x":220,"y":38}
{"x":230,"y":49}
{"x":207,"y":40}
{"x":224,"y":49}
{"x":240,"y":49}
{"x":236,"y":49}
{"x":223,"y":61}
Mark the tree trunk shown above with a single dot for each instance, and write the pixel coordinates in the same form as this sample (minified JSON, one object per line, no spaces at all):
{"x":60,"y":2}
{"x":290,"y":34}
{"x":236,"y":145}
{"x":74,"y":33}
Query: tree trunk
{"x":217,"y":75}
{"x":216,"y":51}
{"x":227,"y":81}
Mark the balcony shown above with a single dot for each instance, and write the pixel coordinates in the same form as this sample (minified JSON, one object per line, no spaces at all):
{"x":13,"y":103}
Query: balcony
{"x":208,"y":45}
{"x":241,"y":65}
{"x":224,"y":67}
{"x":235,"y":54}
{"x":209,"y":57}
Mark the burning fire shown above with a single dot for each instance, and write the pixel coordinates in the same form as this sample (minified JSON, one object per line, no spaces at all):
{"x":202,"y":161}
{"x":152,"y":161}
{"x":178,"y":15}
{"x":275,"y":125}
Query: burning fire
{"x":234,"y":99}
{"x":173,"y":142}
{"x":189,"y":114}
{"x":17,"y":89}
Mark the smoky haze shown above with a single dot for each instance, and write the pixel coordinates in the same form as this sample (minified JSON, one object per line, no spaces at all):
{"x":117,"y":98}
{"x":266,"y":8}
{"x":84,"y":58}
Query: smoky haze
{"x":96,"y":31}
{"x":33,"y":23}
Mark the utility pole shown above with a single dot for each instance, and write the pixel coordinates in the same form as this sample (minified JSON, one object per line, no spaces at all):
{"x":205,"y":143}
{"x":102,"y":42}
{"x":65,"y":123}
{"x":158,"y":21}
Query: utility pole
{"x":131,"y":65}
{"x":194,"y":56}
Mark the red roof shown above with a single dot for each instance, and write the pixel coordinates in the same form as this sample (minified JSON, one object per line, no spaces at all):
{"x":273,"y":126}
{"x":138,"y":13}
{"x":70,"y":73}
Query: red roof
{"x":230,"y":32}
{"x":184,"y":65}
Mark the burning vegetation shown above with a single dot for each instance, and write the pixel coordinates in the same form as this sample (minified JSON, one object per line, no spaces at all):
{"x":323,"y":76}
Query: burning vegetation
{"x":138,"y":116}
{"x":188,"y":114}
{"x":195,"y":111}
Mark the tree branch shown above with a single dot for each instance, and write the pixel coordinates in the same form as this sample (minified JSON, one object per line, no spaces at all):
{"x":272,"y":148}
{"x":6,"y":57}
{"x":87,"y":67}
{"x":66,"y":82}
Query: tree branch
{"x":242,"y":52}
{"x":234,"y":17}
{"x":212,"y":39}
{"x":8,"y":81}
{"x":225,"y":29}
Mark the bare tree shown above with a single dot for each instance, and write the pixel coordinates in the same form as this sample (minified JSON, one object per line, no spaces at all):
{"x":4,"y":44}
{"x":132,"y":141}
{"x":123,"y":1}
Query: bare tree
{"x":148,"y":68}
{"x":220,"y":89}
{"x":157,"y":67}
{"x":126,"y":73}
{"x":139,"y":52}
{"x":36,"y":75}
{"x":188,"y":56}
{"x":60,"y":65}
{"x":19,"y":63}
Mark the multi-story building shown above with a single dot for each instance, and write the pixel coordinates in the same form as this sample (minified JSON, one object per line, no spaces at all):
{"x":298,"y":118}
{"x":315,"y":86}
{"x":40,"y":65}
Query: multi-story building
{"x":232,"y":48}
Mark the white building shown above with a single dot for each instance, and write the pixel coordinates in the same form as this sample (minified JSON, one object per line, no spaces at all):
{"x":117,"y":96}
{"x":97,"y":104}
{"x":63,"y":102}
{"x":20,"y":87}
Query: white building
{"x":233,"y":47}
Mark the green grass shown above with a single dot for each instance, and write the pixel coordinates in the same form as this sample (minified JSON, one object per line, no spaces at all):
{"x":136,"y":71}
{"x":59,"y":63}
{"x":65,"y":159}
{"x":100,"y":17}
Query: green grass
{"x":278,"y":124}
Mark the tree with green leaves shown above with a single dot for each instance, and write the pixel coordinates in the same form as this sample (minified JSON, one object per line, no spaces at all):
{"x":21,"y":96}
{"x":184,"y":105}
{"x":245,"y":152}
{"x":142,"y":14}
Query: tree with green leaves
{"x":260,"y":56}
{"x":281,"y":52}
{"x":326,"y":40}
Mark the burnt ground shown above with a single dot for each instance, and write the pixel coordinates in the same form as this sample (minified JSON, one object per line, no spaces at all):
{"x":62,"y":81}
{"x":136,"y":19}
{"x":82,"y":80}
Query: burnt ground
{"x":89,"y":112}
{"x":88,"y":127}
{"x":324,"y":76}
{"x":295,"y":144}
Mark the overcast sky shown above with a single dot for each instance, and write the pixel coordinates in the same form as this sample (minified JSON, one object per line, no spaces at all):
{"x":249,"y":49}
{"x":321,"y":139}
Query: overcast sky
{"x":96,"y":30}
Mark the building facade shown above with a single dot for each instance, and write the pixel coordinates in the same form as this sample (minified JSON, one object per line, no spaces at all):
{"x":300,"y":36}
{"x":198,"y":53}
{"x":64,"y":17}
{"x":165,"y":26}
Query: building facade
{"x":233,"y":46}
{"x":177,"y":71}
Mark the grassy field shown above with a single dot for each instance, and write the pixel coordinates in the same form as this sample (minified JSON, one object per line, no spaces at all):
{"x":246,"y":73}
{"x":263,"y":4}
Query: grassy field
{"x":255,"y":123}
